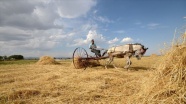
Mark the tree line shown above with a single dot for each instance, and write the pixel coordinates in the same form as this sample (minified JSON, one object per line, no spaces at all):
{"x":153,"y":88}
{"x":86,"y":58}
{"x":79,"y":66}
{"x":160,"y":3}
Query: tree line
{"x":12,"y":57}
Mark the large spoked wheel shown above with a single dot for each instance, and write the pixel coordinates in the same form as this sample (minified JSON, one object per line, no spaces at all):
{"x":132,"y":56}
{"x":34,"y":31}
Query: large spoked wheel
{"x":80,"y":58}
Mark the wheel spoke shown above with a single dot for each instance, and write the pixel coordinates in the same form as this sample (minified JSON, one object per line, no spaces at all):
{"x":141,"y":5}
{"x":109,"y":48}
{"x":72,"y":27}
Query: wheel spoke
{"x":80,"y":56}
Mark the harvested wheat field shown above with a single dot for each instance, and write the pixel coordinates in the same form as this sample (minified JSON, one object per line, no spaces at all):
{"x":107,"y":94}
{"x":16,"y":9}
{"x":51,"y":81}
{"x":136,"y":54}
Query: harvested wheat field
{"x":153,"y":55}
{"x":32,"y":83}
{"x":149,"y":80}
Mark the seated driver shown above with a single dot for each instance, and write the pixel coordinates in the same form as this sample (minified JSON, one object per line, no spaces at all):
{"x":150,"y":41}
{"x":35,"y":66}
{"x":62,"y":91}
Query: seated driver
{"x":93,"y":47}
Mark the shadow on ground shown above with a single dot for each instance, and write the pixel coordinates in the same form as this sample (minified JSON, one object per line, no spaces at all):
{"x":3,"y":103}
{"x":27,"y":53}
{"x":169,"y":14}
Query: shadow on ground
{"x":137,"y":68}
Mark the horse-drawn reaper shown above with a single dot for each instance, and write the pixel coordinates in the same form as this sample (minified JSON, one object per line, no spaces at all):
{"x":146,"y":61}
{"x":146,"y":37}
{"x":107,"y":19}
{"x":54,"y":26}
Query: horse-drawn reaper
{"x":81,"y":58}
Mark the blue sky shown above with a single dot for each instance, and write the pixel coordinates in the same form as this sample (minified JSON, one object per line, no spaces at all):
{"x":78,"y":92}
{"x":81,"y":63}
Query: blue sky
{"x":56,"y":27}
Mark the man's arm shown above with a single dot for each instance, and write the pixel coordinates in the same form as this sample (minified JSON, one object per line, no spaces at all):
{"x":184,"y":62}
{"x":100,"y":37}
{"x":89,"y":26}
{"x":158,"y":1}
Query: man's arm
{"x":90,"y":46}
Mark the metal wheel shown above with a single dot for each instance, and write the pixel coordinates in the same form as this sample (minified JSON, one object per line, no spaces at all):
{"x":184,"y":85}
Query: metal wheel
{"x":80,"y":58}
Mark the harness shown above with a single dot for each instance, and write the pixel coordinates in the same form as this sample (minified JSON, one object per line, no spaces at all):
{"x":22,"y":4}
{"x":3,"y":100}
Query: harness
{"x":131,"y":48}
{"x":121,"y":54}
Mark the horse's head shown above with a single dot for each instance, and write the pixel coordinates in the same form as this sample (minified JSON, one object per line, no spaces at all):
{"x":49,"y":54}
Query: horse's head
{"x":140,"y":51}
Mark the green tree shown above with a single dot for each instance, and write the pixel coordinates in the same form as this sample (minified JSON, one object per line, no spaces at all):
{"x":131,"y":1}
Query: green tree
{"x":1,"y":57}
{"x":17,"y":57}
{"x":5,"y":57}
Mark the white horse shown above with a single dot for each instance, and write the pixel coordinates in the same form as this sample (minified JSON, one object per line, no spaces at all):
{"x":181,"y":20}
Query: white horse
{"x":125,"y":51}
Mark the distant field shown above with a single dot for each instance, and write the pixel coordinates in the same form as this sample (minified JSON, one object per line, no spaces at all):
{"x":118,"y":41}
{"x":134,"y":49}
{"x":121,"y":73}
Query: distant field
{"x":19,"y":62}
{"x":25,"y":82}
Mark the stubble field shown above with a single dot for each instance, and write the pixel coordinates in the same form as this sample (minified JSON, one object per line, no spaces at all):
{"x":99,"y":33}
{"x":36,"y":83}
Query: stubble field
{"x":26,"y":82}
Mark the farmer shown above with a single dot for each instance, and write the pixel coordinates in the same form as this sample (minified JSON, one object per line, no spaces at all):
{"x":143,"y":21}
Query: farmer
{"x":94,"y":49}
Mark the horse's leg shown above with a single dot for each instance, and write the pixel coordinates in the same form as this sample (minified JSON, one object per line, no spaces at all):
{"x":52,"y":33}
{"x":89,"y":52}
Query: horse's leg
{"x":128,"y":62}
{"x":106,"y":64}
{"x":110,"y":60}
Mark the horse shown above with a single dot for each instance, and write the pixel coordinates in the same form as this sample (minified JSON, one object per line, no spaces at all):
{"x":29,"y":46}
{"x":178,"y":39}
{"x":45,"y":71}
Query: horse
{"x":125,"y":51}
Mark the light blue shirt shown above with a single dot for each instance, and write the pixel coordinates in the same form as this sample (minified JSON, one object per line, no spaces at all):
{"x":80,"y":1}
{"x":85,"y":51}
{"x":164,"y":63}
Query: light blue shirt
{"x":92,"y":46}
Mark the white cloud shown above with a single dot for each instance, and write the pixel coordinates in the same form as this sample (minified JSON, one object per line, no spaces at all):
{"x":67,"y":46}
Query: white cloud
{"x":45,"y":15}
{"x":41,"y":14}
{"x":89,"y":26}
{"x":57,"y":36}
{"x":184,"y":17}
{"x":95,"y":11}
{"x":6,"y":30}
{"x":126,"y":40}
{"x":120,"y":31}
{"x":113,"y":40}
{"x":73,"y":9}
{"x":153,"y":24}
{"x":138,"y":23}
{"x":41,"y":25}
{"x":27,"y":39}
{"x":103,"y":19}
{"x":41,"y":43}
{"x":92,"y":34}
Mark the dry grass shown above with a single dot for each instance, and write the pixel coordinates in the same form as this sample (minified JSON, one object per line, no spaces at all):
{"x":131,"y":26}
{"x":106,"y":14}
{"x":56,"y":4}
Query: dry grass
{"x":153,"y":55}
{"x":39,"y":84}
{"x":46,"y":60}
{"x":168,"y":84}
{"x":151,"y":80}
{"x":82,"y":63}
{"x":79,"y":63}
